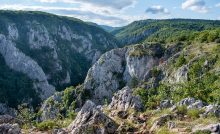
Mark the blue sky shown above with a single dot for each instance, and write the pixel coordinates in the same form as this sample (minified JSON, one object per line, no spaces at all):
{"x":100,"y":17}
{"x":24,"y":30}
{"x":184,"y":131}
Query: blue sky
{"x":120,"y":12}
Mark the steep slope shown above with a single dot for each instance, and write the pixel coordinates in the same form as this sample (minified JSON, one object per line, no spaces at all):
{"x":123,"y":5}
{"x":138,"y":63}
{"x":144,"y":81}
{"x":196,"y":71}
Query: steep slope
{"x":166,"y":31}
{"x":43,"y":53}
{"x":166,"y":88}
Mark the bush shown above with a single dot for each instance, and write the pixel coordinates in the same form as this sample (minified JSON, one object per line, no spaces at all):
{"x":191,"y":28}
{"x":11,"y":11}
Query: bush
{"x":134,"y":82}
{"x":180,"y":61}
{"x":193,"y":113}
{"x":149,"y":97}
{"x":46,"y":125}
{"x":181,"y":110}
{"x":203,"y":132}
{"x":155,"y":72}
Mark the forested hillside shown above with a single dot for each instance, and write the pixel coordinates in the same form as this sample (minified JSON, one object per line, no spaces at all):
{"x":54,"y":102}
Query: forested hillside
{"x":167,"y":31}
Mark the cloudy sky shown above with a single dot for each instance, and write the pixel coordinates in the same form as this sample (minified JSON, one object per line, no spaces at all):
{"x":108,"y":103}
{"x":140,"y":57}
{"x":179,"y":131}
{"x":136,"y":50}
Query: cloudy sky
{"x":120,"y":12}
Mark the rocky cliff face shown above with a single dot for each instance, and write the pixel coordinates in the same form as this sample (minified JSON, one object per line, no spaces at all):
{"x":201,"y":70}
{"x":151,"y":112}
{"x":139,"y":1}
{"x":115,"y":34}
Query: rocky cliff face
{"x":119,"y":68}
{"x":53,"y":52}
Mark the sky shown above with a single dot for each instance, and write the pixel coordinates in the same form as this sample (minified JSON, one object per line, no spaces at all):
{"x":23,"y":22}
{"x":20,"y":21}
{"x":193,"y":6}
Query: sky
{"x":120,"y":12}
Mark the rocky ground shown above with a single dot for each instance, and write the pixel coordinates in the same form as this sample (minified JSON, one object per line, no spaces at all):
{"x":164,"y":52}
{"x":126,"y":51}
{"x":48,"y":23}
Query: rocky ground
{"x":124,"y":115}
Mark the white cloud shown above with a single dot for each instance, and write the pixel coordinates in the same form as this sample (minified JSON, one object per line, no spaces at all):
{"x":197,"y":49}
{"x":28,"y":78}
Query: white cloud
{"x":157,"y":10}
{"x":217,"y":5}
{"x":115,"y":4}
{"x":85,"y":13}
{"x":195,"y":5}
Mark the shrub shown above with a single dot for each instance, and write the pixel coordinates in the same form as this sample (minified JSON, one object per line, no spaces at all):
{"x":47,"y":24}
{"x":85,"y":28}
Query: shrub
{"x":181,"y":110}
{"x":193,"y":113}
{"x":202,"y":132}
{"x":134,"y":82}
{"x":46,"y":125}
{"x":71,"y":115}
{"x":155,"y":72}
{"x":180,"y":61}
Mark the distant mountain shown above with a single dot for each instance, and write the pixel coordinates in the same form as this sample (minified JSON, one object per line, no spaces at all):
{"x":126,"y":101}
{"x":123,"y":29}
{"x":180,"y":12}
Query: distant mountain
{"x":109,"y":28}
{"x":161,"y":30}
{"x":41,"y":53}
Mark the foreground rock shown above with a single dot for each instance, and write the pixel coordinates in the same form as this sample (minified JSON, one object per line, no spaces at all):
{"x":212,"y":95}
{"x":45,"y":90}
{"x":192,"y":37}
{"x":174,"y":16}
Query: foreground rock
{"x":91,"y":120}
{"x":212,"y":128}
{"x":124,"y":100}
{"x":9,"y":119}
{"x":166,"y":104}
{"x":212,"y":110}
{"x":10,"y":129}
{"x":161,"y":121}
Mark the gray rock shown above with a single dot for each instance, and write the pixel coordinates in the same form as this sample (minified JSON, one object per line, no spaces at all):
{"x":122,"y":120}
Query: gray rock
{"x":18,"y":61}
{"x":181,"y":74}
{"x":102,"y":80}
{"x":212,"y":110}
{"x":212,"y":128}
{"x":116,"y":69}
{"x":50,"y":107}
{"x":124,"y":100}
{"x":186,"y":101}
{"x":59,"y":131}
{"x":91,"y":120}
{"x":10,"y":129}
{"x":171,"y":124}
{"x":166,"y":104}
{"x":9,"y":119}
{"x":161,"y":121}
{"x":197,"y":105}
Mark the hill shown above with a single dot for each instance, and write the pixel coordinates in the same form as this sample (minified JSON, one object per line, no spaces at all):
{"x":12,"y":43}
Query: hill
{"x":41,"y":53}
{"x":165,"y":31}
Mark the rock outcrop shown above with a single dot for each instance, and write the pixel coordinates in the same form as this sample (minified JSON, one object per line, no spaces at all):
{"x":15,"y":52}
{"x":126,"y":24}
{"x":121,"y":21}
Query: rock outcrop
{"x":9,"y":119}
{"x":50,"y":108}
{"x":212,"y":128}
{"x":161,"y":121}
{"x":124,"y":100}
{"x":166,"y":104}
{"x":92,"y":120}
{"x":120,"y":67}
{"x":10,"y":129}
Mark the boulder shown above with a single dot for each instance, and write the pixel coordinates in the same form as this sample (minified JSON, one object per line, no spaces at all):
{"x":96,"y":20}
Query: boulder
{"x":212,"y":128}
{"x":212,"y":110}
{"x":10,"y":129}
{"x":166,"y":104}
{"x":161,"y":121}
{"x":59,"y":131}
{"x":124,"y":100}
{"x":186,"y":101}
{"x":197,"y":105}
{"x":171,"y":124}
{"x":134,"y":118}
{"x":91,"y":120}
